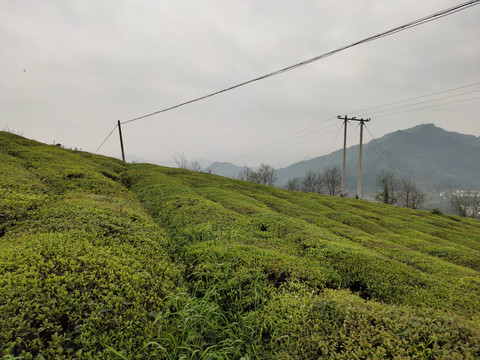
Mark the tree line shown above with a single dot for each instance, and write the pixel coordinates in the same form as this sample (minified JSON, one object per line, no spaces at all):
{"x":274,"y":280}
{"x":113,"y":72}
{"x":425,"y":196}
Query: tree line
{"x":328,"y":182}
{"x":398,"y":191}
{"x":391,"y":189}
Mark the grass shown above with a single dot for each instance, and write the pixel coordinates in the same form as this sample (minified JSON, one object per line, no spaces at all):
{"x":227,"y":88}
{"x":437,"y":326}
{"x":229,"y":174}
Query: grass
{"x":102,"y":259}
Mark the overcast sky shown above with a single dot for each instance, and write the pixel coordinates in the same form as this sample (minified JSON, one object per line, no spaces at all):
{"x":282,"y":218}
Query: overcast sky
{"x":70,"y":69}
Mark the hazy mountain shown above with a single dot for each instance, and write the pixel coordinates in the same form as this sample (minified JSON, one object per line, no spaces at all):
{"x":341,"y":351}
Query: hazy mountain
{"x":435,"y":158}
{"x":204,"y":163}
{"x":140,"y":160}
{"x":224,"y":169}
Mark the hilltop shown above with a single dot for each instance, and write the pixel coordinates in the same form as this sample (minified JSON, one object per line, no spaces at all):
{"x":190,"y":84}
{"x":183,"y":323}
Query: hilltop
{"x":102,"y":259}
{"x":437,"y":159}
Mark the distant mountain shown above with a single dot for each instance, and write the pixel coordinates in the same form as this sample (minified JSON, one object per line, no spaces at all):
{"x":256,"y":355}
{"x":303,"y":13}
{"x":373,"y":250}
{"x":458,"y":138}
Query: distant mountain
{"x":435,"y":158}
{"x":224,"y":169}
{"x":140,"y":160}
{"x":204,"y":163}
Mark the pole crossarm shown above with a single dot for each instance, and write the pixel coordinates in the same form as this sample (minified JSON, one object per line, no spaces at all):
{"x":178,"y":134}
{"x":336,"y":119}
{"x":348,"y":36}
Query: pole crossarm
{"x":346,"y":118}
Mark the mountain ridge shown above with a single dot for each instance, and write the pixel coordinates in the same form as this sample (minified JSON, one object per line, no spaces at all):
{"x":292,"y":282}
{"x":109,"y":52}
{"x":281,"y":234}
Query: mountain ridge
{"x":434,"y":157}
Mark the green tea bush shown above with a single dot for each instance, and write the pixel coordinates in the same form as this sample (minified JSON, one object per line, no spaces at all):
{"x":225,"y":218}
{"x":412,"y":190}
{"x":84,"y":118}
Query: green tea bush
{"x":367,"y":256}
{"x":83,"y":268}
{"x":101,"y":259}
{"x":299,"y":324}
{"x":73,"y":293}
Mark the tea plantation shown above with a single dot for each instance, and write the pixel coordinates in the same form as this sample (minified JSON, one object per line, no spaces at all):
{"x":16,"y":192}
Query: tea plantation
{"x":102,"y":259}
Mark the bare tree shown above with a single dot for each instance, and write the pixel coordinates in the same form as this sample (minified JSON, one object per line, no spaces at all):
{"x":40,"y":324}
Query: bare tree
{"x":266,"y":174}
{"x":245,"y":174}
{"x":465,"y":203}
{"x":181,"y":161}
{"x":476,"y":205}
{"x":195,"y":166}
{"x":390,"y":188}
{"x":312,"y":182}
{"x":332,"y":179}
{"x":292,"y":184}
{"x":411,"y":196}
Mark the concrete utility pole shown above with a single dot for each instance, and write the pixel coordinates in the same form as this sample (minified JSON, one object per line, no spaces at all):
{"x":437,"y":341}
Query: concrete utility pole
{"x":362,"y":121}
{"x":121,"y":140}
{"x":345,"y":120}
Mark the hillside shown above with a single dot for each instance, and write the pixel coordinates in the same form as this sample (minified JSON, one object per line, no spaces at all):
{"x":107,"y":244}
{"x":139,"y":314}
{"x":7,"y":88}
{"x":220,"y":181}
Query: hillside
{"x":101,"y":259}
{"x":435,"y":158}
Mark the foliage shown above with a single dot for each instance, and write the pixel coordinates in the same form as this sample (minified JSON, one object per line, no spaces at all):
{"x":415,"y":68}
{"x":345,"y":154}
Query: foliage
{"x":82,"y":265}
{"x":101,"y":259}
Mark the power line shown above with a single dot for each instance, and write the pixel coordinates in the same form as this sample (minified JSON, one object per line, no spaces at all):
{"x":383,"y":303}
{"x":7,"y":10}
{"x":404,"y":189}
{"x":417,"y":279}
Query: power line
{"x":422,"y":102}
{"x":429,"y":107}
{"x":392,"y":31}
{"x":389,"y":160}
{"x":331,"y":146}
{"x":283,"y":140}
{"x":415,"y":98}
{"x":280,"y":140}
{"x":339,"y":152}
{"x":288,"y":147}
{"x":103,"y":142}
{"x":409,"y":25}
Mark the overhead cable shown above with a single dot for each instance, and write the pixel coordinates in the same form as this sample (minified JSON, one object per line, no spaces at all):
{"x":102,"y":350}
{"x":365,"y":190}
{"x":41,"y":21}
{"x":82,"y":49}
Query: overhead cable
{"x":103,"y":142}
{"x":429,"y":107}
{"x":387,"y":158}
{"x":415,"y":98}
{"x":294,"y":136}
{"x":422,"y":102}
{"x":271,"y":144}
{"x":392,"y":31}
{"x":282,"y":142}
{"x":289,"y":146}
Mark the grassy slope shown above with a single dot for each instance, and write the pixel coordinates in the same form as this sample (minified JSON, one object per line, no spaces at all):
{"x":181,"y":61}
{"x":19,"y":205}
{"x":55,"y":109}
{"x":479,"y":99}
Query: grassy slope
{"x":150,"y":261}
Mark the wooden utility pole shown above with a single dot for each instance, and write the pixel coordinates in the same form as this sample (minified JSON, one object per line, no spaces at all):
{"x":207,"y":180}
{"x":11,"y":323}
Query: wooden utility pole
{"x":362,"y":121}
{"x":121,"y":140}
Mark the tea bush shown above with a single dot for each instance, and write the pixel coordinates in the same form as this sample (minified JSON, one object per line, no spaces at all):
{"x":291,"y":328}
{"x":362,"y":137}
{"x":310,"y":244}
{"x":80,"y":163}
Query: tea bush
{"x":102,"y":259}
{"x":83,"y":268}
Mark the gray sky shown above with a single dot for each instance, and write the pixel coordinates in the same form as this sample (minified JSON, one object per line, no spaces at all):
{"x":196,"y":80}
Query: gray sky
{"x":70,"y":69}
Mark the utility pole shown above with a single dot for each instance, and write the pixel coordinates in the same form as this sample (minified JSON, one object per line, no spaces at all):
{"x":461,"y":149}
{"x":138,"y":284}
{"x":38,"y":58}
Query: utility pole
{"x":359,"y":189}
{"x":121,"y":140}
{"x":362,"y":121}
{"x":345,"y":120}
